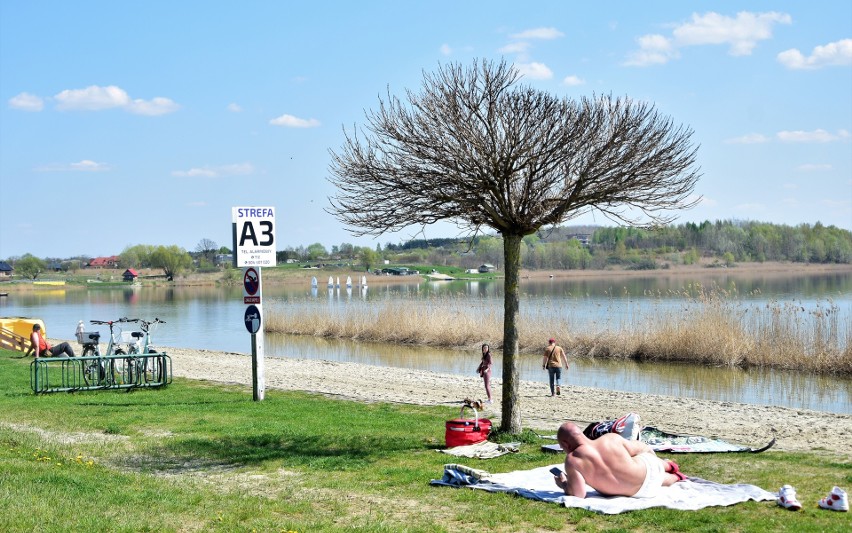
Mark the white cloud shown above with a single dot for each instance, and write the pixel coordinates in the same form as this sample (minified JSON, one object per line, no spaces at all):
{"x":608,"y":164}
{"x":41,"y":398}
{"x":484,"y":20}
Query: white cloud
{"x":96,"y":98}
{"x":843,"y":205}
{"x":446,"y":50}
{"x":653,"y":50}
{"x":740,"y":33}
{"x":154,"y":107}
{"x":751,"y":138}
{"x":26,"y":102}
{"x":534,"y":71}
{"x":86,"y":165}
{"x":538,"y":33}
{"x":234,"y":108}
{"x":289,"y":121}
{"x":92,"y":98}
{"x":818,"y":167}
{"x":816,"y":136}
{"x":239,"y":169}
{"x":838,"y":53}
{"x":195,"y":173}
{"x":705,"y":201}
{"x":519,"y":47}
{"x":573,"y":81}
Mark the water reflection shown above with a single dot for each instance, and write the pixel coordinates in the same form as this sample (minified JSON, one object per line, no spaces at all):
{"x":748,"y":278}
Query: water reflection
{"x":741,"y":386}
{"x":212,"y":318}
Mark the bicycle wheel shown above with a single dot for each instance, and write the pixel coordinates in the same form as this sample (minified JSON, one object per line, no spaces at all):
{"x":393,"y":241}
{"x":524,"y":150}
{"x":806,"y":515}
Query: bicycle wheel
{"x":153,"y":368}
{"x":94,"y":373}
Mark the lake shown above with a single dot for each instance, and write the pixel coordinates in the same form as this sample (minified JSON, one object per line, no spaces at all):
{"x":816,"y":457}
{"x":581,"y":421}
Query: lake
{"x":212,"y":318}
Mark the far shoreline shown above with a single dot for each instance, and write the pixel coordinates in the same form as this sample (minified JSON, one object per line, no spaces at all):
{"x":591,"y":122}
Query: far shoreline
{"x":152,"y":278}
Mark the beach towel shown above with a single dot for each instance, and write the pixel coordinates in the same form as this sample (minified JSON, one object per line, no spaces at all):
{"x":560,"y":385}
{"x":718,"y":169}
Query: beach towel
{"x":537,"y":484}
{"x":661,"y":441}
{"x":483,"y":450}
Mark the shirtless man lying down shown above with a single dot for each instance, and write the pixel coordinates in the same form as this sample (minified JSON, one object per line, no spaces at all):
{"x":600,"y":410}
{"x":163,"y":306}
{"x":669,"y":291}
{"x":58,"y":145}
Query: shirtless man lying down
{"x":611,"y":465}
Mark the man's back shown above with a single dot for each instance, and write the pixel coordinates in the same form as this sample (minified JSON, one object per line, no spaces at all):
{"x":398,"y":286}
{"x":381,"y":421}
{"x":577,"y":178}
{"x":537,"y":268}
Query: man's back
{"x":607,"y":465}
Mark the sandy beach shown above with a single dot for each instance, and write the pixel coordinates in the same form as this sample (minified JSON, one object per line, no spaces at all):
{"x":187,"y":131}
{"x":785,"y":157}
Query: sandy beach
{"x":752,"y":425}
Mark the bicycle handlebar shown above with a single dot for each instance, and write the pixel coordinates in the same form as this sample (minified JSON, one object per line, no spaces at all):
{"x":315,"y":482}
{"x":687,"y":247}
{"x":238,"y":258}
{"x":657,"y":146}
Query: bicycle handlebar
{"x":148,"y":323}
{"x":145,"y":324}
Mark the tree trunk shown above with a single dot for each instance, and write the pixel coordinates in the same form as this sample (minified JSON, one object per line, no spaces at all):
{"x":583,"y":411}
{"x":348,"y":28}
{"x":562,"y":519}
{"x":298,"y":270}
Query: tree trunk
{"x":511,"y":421}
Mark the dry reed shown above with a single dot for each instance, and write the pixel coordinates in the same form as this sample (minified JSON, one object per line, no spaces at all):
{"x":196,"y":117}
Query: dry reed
{"x":709,"y":327}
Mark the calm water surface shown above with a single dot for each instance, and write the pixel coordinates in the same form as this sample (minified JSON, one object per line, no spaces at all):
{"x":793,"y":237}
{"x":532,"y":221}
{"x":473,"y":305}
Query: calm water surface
{"x":212,"y":318}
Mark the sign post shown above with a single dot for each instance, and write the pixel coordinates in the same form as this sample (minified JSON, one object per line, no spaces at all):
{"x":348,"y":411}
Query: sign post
{"x":254,"y":247}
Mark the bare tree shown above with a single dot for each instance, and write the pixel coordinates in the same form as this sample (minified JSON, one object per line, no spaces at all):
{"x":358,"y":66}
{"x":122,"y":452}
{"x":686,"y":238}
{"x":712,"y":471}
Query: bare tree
{"x":207,"y":248}
{"x":478,"y":148}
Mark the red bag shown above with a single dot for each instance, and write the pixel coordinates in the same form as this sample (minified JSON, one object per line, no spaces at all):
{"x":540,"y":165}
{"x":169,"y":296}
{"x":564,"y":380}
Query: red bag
{"x":462,"y":431}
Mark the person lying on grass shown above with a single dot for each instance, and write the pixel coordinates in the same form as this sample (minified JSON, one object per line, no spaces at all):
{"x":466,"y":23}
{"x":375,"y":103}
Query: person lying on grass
{"x":611,"y":465}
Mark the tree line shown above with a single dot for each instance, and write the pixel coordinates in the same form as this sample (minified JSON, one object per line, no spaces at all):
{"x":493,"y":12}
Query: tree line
{"x":725,"y":242}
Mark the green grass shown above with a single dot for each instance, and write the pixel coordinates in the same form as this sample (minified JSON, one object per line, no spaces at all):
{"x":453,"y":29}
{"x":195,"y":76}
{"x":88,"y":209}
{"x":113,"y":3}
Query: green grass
{"x":204,"y":457}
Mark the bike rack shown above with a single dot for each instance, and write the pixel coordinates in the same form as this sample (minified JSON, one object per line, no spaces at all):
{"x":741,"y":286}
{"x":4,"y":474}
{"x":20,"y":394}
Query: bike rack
{"x":69,"y":374}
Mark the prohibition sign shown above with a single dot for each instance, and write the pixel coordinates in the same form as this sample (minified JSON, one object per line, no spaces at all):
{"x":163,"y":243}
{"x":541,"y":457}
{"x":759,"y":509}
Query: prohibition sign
{"x":251,"y":281}
{"x":252,"y":319}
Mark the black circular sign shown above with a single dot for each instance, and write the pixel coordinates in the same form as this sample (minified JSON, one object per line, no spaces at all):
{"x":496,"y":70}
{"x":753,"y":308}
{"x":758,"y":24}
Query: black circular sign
{"x":252,"y":319}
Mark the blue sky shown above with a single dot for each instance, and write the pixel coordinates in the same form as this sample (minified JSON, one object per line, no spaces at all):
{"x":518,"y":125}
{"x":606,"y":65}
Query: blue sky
{"x":126,"y":123}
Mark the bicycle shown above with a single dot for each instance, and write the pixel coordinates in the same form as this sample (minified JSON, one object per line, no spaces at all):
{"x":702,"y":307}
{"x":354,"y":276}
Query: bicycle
{"x":138,"y":343}
{"x":97,"y":371}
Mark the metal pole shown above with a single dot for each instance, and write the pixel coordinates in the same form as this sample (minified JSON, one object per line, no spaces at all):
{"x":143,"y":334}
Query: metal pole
{"x":257,"y":384}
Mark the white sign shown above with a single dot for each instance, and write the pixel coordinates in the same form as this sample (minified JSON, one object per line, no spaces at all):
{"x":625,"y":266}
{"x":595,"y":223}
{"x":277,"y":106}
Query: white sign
{"x":254,"y":236}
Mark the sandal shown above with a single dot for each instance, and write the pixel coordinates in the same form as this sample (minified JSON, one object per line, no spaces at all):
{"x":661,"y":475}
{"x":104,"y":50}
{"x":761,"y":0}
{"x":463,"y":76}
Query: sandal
{"x":676,"y":471}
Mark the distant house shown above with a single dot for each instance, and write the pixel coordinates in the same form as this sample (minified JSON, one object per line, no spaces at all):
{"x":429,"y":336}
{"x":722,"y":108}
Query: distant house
{"x":484,"y":268}
{"x":584,"y":238}
{"x":130,"y":275}
{"x":104,"y":262}
{"x":5,"y":270}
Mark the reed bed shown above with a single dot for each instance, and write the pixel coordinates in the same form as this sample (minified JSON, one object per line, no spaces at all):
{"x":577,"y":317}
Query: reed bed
{"x":701,"y":326}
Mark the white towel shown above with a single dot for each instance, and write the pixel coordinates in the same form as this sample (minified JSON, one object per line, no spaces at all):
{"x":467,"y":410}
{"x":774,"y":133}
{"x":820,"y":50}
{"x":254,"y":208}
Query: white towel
{"x":483,"y":450}
{"x":537,"y":484}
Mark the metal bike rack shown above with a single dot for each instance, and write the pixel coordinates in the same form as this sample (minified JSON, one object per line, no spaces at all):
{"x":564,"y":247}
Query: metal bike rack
{"x":126,"y":371}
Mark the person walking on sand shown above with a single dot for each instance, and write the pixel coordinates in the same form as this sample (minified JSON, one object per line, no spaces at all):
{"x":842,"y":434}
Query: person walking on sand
{"x":484,"y":369}
{"x":553,"y":361}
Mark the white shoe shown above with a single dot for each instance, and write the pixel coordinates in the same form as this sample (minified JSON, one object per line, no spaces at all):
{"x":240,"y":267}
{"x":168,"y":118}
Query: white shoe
{"x":836,"y":500}
{"x":787,"y":498}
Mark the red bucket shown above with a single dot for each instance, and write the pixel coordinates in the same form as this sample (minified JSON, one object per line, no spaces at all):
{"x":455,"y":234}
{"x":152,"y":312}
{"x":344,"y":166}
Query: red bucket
{"x":463,"y":431}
